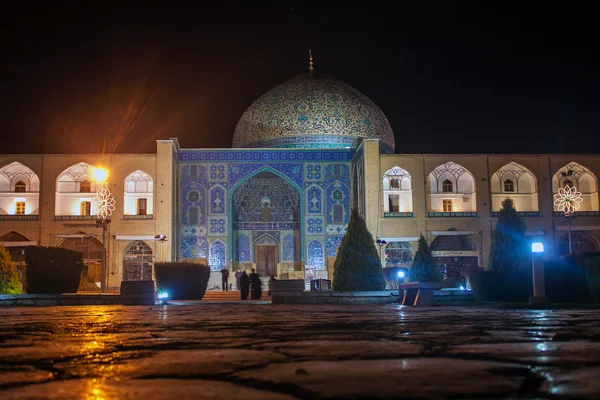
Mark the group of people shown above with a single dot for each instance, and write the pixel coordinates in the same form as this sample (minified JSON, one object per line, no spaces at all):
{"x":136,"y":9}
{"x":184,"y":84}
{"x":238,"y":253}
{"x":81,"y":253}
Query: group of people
{"x":246,"y":284}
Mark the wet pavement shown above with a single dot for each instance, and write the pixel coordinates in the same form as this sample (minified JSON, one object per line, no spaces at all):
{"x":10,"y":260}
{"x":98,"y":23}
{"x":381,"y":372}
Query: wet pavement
{"x":244,"y":351}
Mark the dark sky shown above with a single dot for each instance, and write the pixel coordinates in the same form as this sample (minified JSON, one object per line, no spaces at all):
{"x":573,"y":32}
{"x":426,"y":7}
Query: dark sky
{"x":450,"y":78}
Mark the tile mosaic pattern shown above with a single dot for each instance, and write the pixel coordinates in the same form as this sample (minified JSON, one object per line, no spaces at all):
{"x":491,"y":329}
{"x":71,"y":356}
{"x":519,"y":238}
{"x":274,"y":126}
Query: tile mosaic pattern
{"x":332,"y":243}
{"x":217,"y":255}
{"x":314,"y":257}
{"x":243,"y":248}
{"x":212,"y":174}
{"x":305,"y":110}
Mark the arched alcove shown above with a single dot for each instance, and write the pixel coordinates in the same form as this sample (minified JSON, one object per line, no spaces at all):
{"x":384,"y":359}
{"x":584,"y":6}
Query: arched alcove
{"x":451,"y":189}
{"x":584,"y":180}
{"x":137,"y":261}
{"x":138,"y":196}
{"x":517,"y":182}
{"x":397,"y":192}
{"x":19,"y":192}
{"x":75,"y":189}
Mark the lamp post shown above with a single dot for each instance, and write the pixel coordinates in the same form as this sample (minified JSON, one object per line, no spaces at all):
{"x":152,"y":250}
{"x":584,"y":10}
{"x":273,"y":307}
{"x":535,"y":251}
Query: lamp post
{"x":567,"y":200}
{"x":105,"y":205}
{"x":161,"y":238}
{"x":537,"y":266}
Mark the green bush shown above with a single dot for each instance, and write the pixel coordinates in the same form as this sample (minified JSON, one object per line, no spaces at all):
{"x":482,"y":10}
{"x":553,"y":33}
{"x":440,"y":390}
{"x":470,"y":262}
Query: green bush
{"x":182,"y":280}
{"x":357,"y":266}
{"x":9,"y":275}
{"x":592,"y":274}
{"x":509,"y":250}
{"x":53,"y":270}
{"x":502,"y":286}
{"x":423,"y":267}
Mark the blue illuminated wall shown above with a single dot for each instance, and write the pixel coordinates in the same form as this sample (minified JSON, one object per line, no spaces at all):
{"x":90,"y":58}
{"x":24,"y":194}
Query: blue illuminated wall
{"x":209,"y":177}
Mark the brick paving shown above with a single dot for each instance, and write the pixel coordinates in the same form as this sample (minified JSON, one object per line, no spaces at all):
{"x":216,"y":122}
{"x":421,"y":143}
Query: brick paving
{"x":263,"y":351}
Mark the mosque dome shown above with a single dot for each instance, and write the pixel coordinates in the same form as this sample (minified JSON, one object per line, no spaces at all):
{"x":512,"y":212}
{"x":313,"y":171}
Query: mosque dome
{"x":312,"y":111}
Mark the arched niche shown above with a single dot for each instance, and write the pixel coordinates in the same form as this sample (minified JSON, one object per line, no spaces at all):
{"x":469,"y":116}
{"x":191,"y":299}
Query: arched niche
{"x":91,"y":250}
{"x":397,"y":191}
{"x":583,"y":180}
{"x":15,"y":244}
{"x":581,"y":242}
{"x":19,"y":190}
{"x":138,"y":196}
{"x":451,"y":188}
{"x":75,"y":189}
{"x":517,"y":182}
{"x":137,"y":261}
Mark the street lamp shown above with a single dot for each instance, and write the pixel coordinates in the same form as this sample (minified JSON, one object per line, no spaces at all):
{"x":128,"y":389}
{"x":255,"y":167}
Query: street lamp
{"x":381,"y":243}
{"x":161,"y":238}
{"x":105,"y":205}
{"x":537,"y":266}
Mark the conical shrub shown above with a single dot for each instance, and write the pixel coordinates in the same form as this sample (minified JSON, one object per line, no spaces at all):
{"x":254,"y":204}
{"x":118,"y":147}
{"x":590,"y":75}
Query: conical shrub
{"x":357,"y":266}
{"x":423,"y":268}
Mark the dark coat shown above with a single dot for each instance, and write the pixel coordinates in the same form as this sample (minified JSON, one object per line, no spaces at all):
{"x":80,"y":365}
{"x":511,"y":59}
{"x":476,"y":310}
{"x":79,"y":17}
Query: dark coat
{"x":256,"y":286}
{"x":245,"y":285}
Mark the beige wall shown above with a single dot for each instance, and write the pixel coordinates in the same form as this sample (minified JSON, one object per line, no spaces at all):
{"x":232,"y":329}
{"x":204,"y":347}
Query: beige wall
{"x":49,"y":167}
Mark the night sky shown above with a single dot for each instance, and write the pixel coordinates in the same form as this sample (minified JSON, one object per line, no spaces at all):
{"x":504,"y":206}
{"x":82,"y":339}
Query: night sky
{"x":451,"y":79}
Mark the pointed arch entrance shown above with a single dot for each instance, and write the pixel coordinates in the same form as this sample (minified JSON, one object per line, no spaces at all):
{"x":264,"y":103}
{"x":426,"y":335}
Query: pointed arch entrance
{"x":91,"y":250}
{"x":453,"y":251}
{"x":265,"y":228}
{"x":137,"y":262}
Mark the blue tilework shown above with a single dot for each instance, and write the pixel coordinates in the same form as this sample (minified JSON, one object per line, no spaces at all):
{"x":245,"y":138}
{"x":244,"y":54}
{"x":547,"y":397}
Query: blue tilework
{"x":315,"y":258}
{"x":217,"y":258}
{"x":333,"y":242}
{"x":314,"y":226}
{"x":217,"y":200}
{"x":314,"y":200}
{"x":243,"y":248}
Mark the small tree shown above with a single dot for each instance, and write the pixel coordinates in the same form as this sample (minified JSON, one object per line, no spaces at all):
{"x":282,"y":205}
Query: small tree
{"x":509,"y":250}
{"x":423,"y":267}
{"x":9,"y":275}
{"x":357,"y":266}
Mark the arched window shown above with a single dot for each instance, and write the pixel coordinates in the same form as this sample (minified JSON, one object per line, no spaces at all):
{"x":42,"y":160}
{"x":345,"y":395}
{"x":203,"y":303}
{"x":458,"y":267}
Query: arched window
{"x":138,"y":195}
{"x":397,"y":192}
{"x":447,"y":186}
{"x":516,"y":179}
{"x":20,"y":187}
{"x":509,"y":186}
{"x":580,"y":243}
{"x":85,"y":186}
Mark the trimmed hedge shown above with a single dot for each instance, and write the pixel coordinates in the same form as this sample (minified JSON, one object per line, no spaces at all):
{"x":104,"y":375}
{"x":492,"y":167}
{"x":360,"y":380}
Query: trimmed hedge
{"x":592,"y":273}
{"x":183,"y":281}
{"x":502,"y":286}
{"x":9,"y":275}
{"x":52,"y":270}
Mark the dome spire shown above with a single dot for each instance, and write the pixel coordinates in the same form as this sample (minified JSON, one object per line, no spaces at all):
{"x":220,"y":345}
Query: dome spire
{"x":310,"y":63}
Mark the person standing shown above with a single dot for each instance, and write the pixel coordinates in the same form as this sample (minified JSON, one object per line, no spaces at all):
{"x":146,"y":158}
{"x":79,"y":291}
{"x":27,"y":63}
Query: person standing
{"x":224,"y":278}
{"x":238,"y":275}
{"x":244,"y":286}
{"x":256,"y":286}
{"x":271,"y":279}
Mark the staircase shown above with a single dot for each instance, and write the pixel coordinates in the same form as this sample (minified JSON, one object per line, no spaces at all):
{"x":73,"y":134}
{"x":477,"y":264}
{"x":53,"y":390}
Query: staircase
{"x":219,"y":295}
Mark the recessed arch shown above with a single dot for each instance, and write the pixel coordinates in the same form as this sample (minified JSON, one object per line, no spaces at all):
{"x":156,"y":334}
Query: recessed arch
{"x":581,"y":242}
{"x":75,"y":189}
{"x":138,"y":194}
{"x":397,"y":191}
{"x":137,"y":261}
{"x":451,"y":188}
{"x":517,"y":182}
{"x":583,"y":180}
{"x":19,"y":190}
{"x":237,"y":209}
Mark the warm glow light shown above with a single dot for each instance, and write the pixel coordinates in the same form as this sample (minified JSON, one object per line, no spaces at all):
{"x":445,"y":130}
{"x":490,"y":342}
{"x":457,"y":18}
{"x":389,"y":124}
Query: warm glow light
{"x":100,"y":174}
{"x":537,"y":247}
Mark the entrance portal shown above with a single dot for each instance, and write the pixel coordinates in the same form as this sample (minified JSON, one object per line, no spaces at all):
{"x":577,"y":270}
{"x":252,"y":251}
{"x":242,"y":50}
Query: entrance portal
{"x":266,"y":260}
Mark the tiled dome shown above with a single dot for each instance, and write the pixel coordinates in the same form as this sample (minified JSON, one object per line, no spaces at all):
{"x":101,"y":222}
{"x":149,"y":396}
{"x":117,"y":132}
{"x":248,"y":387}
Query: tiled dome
{"x":312,"y":112}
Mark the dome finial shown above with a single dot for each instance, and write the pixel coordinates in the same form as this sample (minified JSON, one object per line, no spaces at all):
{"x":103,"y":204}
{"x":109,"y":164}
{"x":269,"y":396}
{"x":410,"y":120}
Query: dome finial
{"x":310,"y":62}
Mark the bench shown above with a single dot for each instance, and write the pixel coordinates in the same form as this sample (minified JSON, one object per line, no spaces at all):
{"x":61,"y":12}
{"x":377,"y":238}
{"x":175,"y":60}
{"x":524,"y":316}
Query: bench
{"x":418,"y":293}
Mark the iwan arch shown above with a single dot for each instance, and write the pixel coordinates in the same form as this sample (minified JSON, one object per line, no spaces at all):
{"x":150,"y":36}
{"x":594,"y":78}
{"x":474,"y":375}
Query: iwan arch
{"x":279,"y":200}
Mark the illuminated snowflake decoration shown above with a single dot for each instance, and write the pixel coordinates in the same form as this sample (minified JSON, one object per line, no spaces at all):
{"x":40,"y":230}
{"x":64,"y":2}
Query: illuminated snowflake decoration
{"x":568,"y":199}
{"x":105,"y":203}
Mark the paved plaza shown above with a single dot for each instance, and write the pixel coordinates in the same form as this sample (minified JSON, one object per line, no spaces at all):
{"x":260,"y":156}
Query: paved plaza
{"x":256,"y":351}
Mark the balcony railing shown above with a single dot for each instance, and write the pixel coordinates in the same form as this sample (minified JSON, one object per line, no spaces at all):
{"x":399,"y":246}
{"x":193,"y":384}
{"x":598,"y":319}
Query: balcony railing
{"x":395,"y":214}
{"x":436,"y":214}
{"x":579,"y":214}
{"x":521,"y":213}
{"x":19,"y":217}
{"x":137,"y":217}
{"x":75,"y":217}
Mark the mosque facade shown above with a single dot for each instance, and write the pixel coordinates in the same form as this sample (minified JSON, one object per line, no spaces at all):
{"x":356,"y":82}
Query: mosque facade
{"x":303,"y":155}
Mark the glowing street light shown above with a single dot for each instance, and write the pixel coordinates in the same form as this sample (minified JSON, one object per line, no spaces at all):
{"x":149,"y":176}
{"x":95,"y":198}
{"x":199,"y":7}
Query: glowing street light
{"x":537,"y":266}
{"x":100,"y":174}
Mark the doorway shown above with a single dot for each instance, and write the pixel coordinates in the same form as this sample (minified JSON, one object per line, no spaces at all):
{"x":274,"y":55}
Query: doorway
{"x":266,"y":260}
{"x":137,"y":262}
